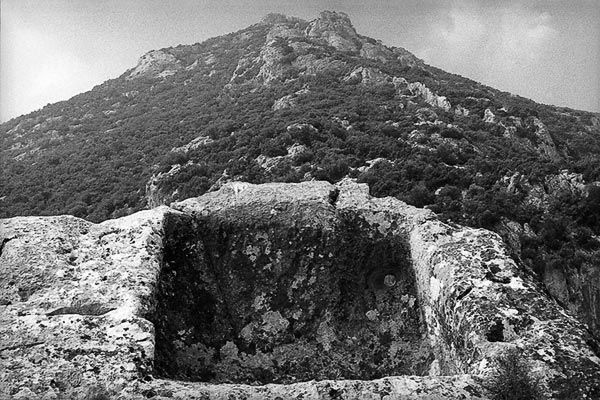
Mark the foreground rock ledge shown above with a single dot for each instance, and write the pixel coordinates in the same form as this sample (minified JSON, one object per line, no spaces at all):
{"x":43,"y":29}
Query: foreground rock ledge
{"x":82,"y":305}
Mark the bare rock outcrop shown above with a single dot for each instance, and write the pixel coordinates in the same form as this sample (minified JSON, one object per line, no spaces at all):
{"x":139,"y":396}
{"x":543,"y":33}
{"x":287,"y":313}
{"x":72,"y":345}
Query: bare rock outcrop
{"x":156,"y":63}
{"x":73,"y":299}
{"x":546,"y":145}
{"x":376,"y":51}
{"x":428,"y":96}
{"x":268,"y":163}
{"x":489,"y":117}
{"x":461,"y":111}
{"x":368,"y":76}
{"x":336,"y":29}
{"x":156,"y":194}
{"x":290,"y":100}
{"x":565,"y":184}
{"x":267,"y":287}
{"x":294,"y":47}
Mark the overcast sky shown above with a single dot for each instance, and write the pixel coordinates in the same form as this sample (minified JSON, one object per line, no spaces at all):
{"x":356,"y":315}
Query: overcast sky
{"x":547,"y":50}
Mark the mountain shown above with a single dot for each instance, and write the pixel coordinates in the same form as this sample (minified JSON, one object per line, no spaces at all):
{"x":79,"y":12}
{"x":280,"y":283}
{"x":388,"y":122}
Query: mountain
{"x":292,"y":100}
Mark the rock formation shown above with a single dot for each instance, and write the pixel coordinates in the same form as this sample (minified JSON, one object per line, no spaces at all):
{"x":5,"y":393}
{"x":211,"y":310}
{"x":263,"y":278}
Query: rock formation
{"x":156,"y":195}
{"x":156,"y":63}
{"x":336,"y":29}
{"x":430,"y":98}
{"x":368,"y":76}
{"x":255,"y":290}
{"x":489,"y":117}
{"x":546,"y":146}
{"x":576,"y":288}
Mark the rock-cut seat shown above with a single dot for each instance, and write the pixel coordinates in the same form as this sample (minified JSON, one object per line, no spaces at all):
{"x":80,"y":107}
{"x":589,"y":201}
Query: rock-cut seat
{"x":224,"y":296}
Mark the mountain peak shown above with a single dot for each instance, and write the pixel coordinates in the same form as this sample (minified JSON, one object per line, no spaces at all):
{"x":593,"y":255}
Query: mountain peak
{"x":336,"y":17}
{"x":337,"y":29}
{"x":278,"y":18}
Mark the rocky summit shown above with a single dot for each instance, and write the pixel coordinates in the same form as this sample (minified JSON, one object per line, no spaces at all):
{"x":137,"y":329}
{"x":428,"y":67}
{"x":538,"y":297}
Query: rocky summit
{"x":297,"y":210}
{"x":302,"y":290}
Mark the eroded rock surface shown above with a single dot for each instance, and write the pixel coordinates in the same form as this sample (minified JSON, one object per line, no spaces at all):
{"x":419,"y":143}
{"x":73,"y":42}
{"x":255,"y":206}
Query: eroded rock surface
{"x":273,"y":285}
{"x":293,"y":289}
{"x":156,"y":63}
{"x":73,"y":296}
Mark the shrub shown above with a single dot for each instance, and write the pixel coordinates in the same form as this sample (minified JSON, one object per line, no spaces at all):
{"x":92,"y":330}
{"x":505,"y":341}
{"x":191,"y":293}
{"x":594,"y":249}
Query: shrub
{"x":420,"y":196}
{"x":452,"y":133}
{"x":98,"y":392}
{"x":513,"y":379}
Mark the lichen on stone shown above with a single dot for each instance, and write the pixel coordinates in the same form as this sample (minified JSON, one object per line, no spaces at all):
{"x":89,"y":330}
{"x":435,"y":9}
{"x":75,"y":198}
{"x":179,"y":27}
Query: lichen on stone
{"x":335,"y":293}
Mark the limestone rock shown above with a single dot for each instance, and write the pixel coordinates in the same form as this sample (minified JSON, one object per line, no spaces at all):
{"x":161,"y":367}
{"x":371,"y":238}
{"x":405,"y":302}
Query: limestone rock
{"x":268,"y":163}
{"x":196,"y":143}
{"x":460,"y":111}
{"x":156,"y":63}
{"x":74,"y":299}
{"x":275,"y":18}
{"x":336,"y":29}
{"x":284,"y":30}
{"x":156,"y":194}
{"x":293,"y":48}
{"x":279,"y":284}
{"x":489,"y":117}
{"x":367,"y":76}
{"x":512,"y":233}
{"x":376,"y":51}
{"x":289,"y":101}
{"x":369,"y":164}
{"x":547,"y":147}
{"x":428,"y":96}
{"x":297,"y":126}
{"x":273,"y":66}
{"x":565,"y":184}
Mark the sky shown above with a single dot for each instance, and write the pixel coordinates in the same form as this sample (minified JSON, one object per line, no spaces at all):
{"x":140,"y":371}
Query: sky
{"x":546,"y":50}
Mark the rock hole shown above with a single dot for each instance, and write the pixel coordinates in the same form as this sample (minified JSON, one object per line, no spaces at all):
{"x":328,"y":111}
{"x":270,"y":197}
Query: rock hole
{"x":333,"y":196}
{"x":495,"y":331}
{"x":280,"y":304}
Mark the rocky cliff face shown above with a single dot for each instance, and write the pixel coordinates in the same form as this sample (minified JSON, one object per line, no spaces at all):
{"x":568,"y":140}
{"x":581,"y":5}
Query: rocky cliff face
{"x":576,"y":288}
{"x":274,"y":283}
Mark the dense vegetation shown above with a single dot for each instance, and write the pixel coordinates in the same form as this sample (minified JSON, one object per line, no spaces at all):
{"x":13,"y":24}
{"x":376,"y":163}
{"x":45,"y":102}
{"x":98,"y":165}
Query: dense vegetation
{"x":92,"y":156}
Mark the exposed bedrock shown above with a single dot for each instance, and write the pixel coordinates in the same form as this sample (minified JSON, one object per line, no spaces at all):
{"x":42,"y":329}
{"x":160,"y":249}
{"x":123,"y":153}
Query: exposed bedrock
{"x":306,"y":290}
{"x":299,"y":292}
